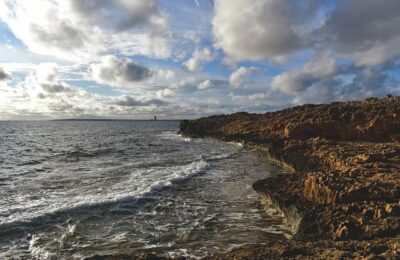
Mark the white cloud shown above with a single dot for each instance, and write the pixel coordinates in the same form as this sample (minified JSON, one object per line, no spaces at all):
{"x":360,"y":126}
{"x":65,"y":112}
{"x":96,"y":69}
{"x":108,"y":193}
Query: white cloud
{"x":359,"y":55}
{"x":251,"y":97}
{"x":294,"y":81}
{"x":47,"y":72}
{"x":240,"y":76}
{"x":195,"y":63}
{"x":165,"y":93}
{"x":258,"y":29}
{"x":118,"y":72}
{"x":166,"y":74}
{"x":274,"y":29}
{"x":206,"y":84}
{"x":361,"y":84}
{"x":33,"y":99}
{"x":229,"y":62}
{"x":321,"y":65}
{"x":74,"y":29}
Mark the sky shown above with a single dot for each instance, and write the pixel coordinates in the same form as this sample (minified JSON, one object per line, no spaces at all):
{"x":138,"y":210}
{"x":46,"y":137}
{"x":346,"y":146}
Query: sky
{"x":133,"y":59}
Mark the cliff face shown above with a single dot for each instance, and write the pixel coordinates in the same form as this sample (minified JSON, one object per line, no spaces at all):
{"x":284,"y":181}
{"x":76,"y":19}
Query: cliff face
{"x":345,"y":185}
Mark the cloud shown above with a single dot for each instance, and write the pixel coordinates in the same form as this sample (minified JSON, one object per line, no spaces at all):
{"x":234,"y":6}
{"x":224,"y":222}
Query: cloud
{"x":368,"y":82}
{"x":75,"y":29}
{"x":3,"y":75}
{"x":166,"y":74}
{"x":32,"y":98}
{"x":46,"y":28}
{"x":165,"y":93}
{"x":358,"y":84}
{"x":47,"y":77}
{"x":50,"y":88}
{"x":128,"y":13}
{"x":50,"y":96}
{"x":259,"y":29}
{"x":366,"y":31}
{"x":355,"y":43}
{"x":47,"y":72}
{"x":320,"y":67}
{"x":117,"y":72}
{"x":239,"y":76}
{"x":206,"y":84}
{"x":195,"y":63}
{"x":251,"y":97}
{"x":128,"y":101}
{"x":292,"y":82}
{"x":38,"y":97}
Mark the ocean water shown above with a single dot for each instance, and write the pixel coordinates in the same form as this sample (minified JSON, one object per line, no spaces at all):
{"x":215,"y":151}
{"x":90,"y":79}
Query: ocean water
{"x":76,"y":189}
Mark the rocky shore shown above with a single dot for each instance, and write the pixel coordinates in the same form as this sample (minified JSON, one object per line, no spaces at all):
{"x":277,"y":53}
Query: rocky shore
{"x":341,"y":198}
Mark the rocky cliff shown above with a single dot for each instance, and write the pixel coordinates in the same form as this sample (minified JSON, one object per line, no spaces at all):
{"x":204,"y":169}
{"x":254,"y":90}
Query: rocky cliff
{"x":342,"y":197}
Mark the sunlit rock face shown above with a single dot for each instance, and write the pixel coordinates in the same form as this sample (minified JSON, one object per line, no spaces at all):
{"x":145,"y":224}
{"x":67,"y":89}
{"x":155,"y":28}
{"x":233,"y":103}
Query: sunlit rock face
{"x":344,"y":189}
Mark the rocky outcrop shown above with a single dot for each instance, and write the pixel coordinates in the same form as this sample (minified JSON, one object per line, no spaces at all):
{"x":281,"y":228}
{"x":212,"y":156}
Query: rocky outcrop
{"x":344,"y":189}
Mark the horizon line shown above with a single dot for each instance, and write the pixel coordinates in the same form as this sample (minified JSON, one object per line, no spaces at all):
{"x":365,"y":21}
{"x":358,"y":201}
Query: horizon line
{"x":86,"y":119}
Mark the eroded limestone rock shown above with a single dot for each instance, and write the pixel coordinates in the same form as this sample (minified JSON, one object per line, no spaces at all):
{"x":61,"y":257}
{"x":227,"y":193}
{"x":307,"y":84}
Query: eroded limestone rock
{"x":346,"y":181}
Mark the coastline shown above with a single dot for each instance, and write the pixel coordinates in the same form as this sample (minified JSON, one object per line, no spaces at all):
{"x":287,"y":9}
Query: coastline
{"x":341,"y":198}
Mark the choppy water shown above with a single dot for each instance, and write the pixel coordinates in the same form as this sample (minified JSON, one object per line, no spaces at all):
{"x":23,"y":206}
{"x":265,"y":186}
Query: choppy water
{"x":72,"y":190}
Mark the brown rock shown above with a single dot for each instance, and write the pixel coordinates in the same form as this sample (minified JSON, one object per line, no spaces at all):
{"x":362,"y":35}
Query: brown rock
{"x":388,"y":208}
{"x":341,"y":233}
{"x":345,"y":164}
{"x":378,"y":214}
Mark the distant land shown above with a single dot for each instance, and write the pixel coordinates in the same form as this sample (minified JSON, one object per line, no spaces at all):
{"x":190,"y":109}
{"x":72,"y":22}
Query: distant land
{"x":110,"y":119}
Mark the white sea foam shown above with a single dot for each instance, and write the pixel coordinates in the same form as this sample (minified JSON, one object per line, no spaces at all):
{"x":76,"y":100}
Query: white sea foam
{"x":221,"y":156}
{"x":38,"y":252}
{"x":139,"y":184}
{"x":236,"y":143}
{"x":172,"y":135}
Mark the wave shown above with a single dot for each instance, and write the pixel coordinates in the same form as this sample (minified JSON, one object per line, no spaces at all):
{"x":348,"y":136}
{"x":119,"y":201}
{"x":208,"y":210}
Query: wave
{"x":236,"y":143}
{"x":77,"y":154}
{"x":118,"y":192}
{"x":172,"y":135}
{"x":221,"y":156}
{"x":38,"y":252}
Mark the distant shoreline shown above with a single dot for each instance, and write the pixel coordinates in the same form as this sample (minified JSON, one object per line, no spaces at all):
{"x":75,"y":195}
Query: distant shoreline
{"x":141,"y":120}
{"x":94,"y":120}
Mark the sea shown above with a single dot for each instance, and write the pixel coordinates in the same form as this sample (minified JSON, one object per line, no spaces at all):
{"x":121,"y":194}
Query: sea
{"x":80,"y":189}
